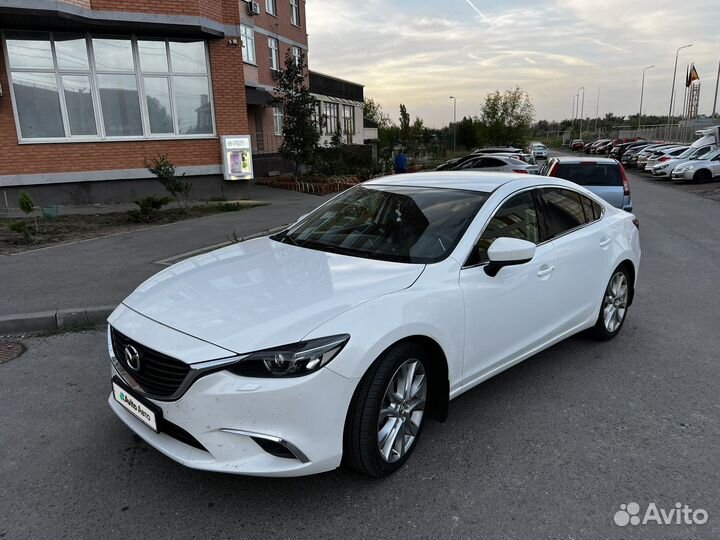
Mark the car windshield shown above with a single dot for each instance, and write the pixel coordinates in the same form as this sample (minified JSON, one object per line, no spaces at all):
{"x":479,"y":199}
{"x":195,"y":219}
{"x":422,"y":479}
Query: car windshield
{"x":590,"y":174}
{"x":390,"y":223}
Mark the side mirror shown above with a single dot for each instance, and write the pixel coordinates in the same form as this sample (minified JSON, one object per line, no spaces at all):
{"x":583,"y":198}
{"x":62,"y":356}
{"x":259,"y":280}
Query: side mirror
{"x":508,"y":252}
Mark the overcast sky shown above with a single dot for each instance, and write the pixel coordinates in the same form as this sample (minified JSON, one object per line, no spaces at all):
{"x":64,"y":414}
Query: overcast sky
{"x":419,"y":52}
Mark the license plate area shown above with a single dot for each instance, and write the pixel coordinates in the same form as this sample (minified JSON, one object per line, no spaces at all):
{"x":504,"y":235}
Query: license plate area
{"x":142,"y":409}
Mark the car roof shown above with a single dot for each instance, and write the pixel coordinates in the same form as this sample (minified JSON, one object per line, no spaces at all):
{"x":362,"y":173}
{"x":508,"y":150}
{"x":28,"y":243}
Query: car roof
{"x":468,"y":180}
{"x":600,"y":160}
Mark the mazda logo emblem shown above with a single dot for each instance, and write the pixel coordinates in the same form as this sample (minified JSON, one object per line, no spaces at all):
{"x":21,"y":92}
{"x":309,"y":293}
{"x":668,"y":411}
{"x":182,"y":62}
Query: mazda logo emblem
{"x":132,"y":358}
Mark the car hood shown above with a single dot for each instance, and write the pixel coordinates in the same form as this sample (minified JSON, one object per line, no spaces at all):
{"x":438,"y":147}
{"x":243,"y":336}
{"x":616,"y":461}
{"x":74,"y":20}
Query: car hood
{"x":262,"y":293}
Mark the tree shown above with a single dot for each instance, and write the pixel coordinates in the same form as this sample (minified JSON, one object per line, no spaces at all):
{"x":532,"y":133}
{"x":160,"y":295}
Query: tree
{"x":372,"y":110}
{"x":404,"y":123}
{"x":300,"y":131}
{"x":506,"y":117}
{"x":467,"y":133}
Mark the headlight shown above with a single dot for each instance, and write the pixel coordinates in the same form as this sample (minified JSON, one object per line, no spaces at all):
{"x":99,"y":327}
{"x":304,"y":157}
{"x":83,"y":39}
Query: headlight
{"x":293,"y":360}
{"x":686,"y":169}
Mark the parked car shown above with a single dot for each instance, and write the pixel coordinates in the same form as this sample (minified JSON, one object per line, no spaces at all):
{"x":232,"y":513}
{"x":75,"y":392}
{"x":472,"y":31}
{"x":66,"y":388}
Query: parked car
{"x":449,"y":164}
{"x":664,"y":155}
{"x":593,"y":147}
{"x":335,"y":340}
{"x":495,"y":163}
{"x":577,"y":144}
{"x":665,"y":167}
{"x":618,"y":151}
{"x":700,"y":170}
{"x":645,"y":154}
{"x":498,"y":150}
{"x":539,"y":151}
{"x":603,"y":148}
{"x":631,"y":153}
{"x":588,"y":145}
{"x":603,"y":176}
{"x":529,"y":159}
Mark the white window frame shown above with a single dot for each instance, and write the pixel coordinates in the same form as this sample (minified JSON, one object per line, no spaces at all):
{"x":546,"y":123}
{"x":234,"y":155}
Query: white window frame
{"x":295,"y":12}
{"x":348,"y":119}
{"x":328,"y":108}
{"x":278,"y":119}
{"x":271,"y":7}
{"x":247,"y":37}
{"x":297,"y":54}
{"x":95,"y":92}
{"x":274,"y":50}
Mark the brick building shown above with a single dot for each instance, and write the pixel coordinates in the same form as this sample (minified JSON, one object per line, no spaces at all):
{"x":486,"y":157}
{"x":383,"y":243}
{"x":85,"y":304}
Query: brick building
{"x":91,"y":88}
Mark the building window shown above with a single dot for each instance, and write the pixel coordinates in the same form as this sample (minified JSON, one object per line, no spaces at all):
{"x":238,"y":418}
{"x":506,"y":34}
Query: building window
{"x":278,"y":120}
{"x":270,"y":7}
{"x":332,"y":118}
{"x":349,"y":119}
{"x":295,"y":12}
{"x":297,"y":55}
{"x":247,"y":36}
{"x":317,"y":116}
{"x":77,"y":87}
{"x":274,"y":47}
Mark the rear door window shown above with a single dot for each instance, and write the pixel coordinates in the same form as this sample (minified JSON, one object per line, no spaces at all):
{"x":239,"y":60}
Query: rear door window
{"x":563,"y":210}
{"x":590,"y":173}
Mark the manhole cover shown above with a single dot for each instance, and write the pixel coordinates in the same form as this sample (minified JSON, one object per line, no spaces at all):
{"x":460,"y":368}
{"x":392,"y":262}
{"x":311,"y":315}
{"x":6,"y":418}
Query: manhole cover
{"x":10,"y":350}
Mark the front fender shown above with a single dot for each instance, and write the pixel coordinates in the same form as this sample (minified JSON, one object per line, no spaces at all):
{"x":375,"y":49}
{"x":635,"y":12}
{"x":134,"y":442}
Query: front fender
{"x":433,"y":307}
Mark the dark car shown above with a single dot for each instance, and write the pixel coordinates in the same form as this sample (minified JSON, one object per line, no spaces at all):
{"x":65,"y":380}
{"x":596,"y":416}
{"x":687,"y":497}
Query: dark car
{"x":629,"y":157}
{"x":588,"y":145}
{"x":599,"y":142}
{"x":577,"y":144}
{"x":618,"y":151}
{"x":603,"y":148}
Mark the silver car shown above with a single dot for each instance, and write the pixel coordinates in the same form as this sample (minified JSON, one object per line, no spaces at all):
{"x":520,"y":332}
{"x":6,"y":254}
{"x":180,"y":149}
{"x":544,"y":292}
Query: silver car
{"x":664,"y":168}
{"x":699,"y":170}
{"x":665,"y":154}
{"x":603,"y":176}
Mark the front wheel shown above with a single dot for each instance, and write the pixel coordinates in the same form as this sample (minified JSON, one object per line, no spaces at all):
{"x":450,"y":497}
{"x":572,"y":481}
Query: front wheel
{"x":387,"y":414}
{"x":702,"y":176}
{"x":613,"y":309}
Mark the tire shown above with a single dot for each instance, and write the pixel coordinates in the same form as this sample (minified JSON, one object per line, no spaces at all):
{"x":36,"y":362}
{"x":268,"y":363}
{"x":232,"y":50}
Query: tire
{"x":614,"y":306}
{"x":702,"y":176}
{"x":376,"y":412}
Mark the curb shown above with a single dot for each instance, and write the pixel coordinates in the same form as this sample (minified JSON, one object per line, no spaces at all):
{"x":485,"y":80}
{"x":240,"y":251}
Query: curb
{"x":52,"y":321}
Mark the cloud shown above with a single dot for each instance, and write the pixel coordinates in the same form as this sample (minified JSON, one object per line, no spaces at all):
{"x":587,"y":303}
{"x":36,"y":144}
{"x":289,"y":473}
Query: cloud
{"x":410,"y":52}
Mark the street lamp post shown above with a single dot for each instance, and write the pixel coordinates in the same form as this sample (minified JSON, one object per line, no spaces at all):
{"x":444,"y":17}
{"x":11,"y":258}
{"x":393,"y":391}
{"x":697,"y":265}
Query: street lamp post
{"x":454,"y":123}
{"x":572,"y":120}
{"x":582,"y":108}
{"x":672,"y":91}
{"x":642,"y":90}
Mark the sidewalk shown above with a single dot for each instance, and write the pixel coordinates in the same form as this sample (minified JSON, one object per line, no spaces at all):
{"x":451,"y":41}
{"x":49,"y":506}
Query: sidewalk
{"x":103,"y":271}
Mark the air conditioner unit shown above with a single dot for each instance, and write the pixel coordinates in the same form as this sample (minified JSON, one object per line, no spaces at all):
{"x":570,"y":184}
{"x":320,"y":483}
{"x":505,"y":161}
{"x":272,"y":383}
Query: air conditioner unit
{"x":253,"y":8}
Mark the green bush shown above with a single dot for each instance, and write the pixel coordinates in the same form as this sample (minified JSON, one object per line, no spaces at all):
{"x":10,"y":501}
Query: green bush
{"x":164,"y":169}
{"x":21,"y":227}
{"x":148,"y":207}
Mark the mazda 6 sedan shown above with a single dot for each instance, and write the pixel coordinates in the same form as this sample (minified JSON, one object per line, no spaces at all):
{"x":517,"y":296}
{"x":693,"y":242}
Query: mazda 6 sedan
{"x":336,"y":340}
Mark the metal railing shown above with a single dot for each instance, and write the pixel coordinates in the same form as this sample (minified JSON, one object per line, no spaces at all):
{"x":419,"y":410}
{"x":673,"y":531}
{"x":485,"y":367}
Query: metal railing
{"x":682,"y":133}
{"x":265,"y":143}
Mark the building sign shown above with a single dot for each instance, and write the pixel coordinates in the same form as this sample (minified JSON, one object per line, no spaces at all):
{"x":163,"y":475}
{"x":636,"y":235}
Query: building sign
{"x":237,"y":157}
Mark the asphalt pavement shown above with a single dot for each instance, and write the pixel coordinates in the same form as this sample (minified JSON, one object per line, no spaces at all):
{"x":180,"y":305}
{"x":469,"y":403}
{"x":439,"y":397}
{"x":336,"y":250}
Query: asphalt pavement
{"x":548,"y":449}
{"x":103,"y":271}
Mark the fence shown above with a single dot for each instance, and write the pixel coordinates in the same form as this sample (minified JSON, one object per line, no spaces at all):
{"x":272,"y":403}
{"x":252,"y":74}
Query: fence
{"x":265,"y":143}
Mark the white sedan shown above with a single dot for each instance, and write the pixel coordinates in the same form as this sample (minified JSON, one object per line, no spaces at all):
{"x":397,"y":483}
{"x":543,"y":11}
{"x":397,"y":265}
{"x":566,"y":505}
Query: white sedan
{"x":497,"y":163}
{"x":335,"y":340}
{"x":700,"y":170}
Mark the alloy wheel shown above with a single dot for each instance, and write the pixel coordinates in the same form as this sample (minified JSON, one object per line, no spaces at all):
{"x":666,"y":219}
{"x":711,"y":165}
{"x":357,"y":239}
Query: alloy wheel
{"x":615,"y":302}
{"x":402,"y":410}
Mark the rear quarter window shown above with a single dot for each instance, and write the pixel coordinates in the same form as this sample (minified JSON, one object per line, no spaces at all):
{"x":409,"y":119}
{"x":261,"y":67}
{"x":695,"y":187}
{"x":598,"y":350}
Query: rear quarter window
{"x":590,"y":174}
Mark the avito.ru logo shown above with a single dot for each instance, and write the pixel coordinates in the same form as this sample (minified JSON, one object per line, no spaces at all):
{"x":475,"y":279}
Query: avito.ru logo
{"x":679,"y":515}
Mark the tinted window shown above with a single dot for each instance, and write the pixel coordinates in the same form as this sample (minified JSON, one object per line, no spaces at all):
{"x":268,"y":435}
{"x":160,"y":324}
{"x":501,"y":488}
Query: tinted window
{"x":402,"y":224}
{"x":589,"y":209}
{"x":516,"y":218}
{"x":589,"y":173}
{"x":597,"y":210}
{"x":493,"y":162}
{"x":564,"y":210}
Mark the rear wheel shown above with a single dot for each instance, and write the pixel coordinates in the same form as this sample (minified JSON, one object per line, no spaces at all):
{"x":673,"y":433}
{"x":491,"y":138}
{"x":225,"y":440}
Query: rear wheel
{"x":613,"y":309}
{"x":387,"y":414}
{"x":701,"y":176}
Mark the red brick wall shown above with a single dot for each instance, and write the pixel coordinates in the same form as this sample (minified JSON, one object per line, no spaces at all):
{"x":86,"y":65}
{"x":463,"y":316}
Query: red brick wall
{"x":81,"y":3}
{"x":230,"y":117}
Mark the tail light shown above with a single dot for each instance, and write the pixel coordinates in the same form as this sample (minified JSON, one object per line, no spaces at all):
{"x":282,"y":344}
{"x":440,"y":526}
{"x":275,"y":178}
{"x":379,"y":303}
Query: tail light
{"x":664,"y":159}
{"x":521,"y":171}
{"x":626,"y":184}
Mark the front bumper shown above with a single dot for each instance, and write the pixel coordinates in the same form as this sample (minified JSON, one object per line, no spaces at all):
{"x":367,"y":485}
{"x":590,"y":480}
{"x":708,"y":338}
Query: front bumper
{"x":227,"y":414}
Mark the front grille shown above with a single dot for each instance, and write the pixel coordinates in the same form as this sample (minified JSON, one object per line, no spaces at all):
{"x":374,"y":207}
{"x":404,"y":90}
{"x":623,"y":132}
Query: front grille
{"x":159,"y":375}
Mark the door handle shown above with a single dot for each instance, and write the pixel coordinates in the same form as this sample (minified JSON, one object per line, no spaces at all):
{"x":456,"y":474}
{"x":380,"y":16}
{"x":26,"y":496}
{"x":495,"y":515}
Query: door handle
{"x":545,"y":270}
{"x":604,"y":242}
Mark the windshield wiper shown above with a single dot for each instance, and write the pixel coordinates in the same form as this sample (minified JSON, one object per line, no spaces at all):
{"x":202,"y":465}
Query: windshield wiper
{"x":285,"y":238}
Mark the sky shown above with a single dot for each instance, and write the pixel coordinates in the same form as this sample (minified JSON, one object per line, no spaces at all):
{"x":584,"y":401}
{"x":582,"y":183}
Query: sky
{"x":420,"y":52}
